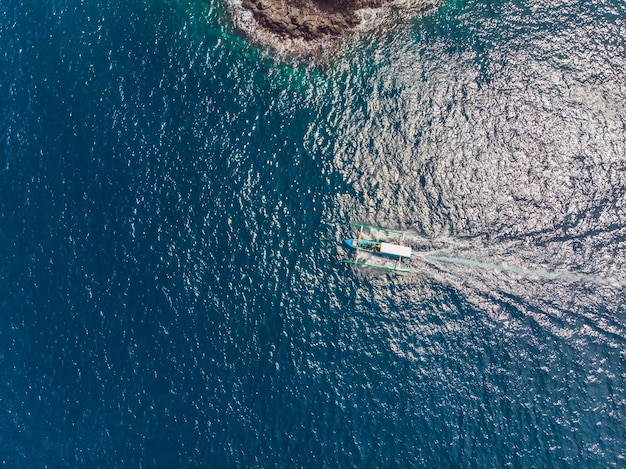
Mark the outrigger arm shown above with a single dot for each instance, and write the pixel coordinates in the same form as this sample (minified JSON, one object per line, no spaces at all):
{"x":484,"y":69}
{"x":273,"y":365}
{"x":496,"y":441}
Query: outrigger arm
{"x":389,"y":249}
{"x":384,"y":267}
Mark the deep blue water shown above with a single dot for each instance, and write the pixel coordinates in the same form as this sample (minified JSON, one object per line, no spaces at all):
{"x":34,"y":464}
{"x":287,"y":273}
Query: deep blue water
{"x":172,"y":206}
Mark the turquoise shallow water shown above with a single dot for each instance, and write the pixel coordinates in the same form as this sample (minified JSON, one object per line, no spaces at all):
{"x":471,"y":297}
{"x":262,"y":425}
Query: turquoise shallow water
{"x":172,"y":209}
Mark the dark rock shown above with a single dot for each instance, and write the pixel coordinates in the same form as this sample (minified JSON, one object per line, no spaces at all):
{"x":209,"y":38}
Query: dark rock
{"x":308,"y":19}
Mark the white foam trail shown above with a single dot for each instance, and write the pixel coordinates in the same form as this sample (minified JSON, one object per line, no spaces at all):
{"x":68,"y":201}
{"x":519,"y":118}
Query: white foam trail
{"x":539,"y":273}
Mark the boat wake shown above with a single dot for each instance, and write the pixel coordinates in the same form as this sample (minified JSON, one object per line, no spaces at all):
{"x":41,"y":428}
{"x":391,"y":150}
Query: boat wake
{"x":547,"y":274}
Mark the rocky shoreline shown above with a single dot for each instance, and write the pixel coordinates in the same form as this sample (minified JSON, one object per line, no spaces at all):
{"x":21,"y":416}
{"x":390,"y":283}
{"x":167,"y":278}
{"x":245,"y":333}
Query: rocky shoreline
{"x":308,"y":19}
{"x":306,"y":24}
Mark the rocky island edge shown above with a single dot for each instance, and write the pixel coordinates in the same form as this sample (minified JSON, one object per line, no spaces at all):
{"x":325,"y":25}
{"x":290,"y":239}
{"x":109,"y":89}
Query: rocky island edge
{"x":307,"y":22}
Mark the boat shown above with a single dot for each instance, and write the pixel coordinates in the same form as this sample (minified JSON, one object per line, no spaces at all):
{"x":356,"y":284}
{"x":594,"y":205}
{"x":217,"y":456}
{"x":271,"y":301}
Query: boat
{"x":373,"y":249}
{"x":382,"y":249}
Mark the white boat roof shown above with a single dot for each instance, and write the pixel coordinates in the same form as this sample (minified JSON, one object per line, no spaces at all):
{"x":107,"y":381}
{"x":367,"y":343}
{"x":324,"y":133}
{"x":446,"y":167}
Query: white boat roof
{"x":395,"y":250}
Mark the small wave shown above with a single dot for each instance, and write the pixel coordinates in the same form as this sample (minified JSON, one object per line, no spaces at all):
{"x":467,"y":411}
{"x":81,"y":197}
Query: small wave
{"x":372,"y":18}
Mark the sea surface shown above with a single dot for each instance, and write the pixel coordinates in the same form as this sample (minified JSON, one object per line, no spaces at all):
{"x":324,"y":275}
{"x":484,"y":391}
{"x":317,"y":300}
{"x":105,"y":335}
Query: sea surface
{"x":173,"y":204}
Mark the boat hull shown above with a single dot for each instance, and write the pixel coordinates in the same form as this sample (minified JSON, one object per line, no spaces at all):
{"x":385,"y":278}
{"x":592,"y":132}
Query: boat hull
{"x":379,"y":248}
